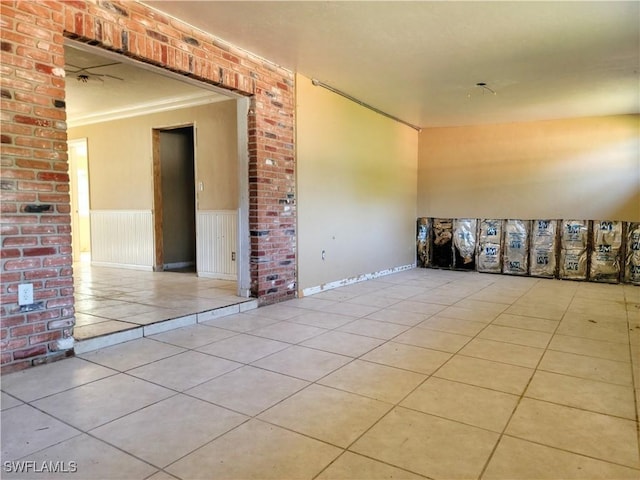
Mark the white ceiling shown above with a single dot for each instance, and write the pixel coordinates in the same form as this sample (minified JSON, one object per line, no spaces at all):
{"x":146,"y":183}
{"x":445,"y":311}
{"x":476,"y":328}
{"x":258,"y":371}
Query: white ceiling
{"x":103,"y":97}
{"x":420,"y":60}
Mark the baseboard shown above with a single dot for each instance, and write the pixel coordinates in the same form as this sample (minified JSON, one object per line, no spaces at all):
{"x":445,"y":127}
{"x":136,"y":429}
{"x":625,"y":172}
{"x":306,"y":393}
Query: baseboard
{"x":218,"y":276}
{"x":145,"y":268}
{"x":349,"y":281}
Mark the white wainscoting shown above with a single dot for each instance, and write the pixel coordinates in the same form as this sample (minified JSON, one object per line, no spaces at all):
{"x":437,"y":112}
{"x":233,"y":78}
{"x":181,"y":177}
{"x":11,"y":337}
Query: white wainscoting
{"x":122,"y":238}
{"x":216,"y":243}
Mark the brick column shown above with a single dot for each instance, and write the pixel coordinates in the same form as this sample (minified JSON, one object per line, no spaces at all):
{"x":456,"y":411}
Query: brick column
{"x":36,"y":247}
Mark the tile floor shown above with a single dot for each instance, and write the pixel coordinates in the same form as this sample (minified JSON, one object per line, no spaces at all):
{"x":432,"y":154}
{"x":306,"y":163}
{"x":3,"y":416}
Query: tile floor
{"x":422,"y":374}
{"x":111,"y":300}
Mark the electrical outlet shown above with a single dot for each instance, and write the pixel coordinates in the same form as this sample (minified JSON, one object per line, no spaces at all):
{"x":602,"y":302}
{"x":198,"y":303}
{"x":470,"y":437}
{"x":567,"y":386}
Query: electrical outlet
{"x":25,"y":294}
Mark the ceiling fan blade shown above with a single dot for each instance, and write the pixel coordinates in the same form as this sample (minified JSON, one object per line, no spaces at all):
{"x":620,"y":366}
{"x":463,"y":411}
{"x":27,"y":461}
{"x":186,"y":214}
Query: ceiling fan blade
{"x":112,"y":76}
{"x":100,"y":66}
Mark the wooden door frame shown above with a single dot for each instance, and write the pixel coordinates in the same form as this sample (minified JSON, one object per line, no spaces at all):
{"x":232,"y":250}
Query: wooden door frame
{"x":158,"y":209}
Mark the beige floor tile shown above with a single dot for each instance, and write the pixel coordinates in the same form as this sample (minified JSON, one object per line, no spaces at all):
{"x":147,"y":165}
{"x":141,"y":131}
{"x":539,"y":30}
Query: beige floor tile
{"x":322,"y":319}
{"x":470,"y":314}
{"x":248,"y":390}
{"x":486,"y":373}
{"x":288,"y":332}
{"x":197,"y":304}
{"x":343,"y":343}
{"x":408,"y":357}
{"x":336,"y":295}
{"x":185,"y":370}
{"x":83,"y":319}
{"x":120,"y":312}
{"x":243,"y":348}
{"x":537,"y":311}
{"x":241,"y":322}
{"x":516,"y":459}
{"x":428,"y":445}
{"x":326,"y":414}
{"x":351,"y":309}
{"x":471,"y":304}
{"x":396,"y":316}
{"x":374,"y":381}
{"x":135,"y":353}
{"x":7,"y":401}
{"x":374,"y":328}
{"x":93,"y":460}
{"x":102,"y":401}
{"x":496,"y":296}
{"x":526,"y":323}
{"x":158,"y":315}
{"x":600,"y":436}
{"x":277,"y":312}
{"x":33,"y":383}
{"x":93,"y":304}
{"x":453,"y":325}
{"x":602,"y":309}
{"x":599,"y":291}
{"x":159,"y":436}
{"x":589,"y":347}
{"x":503,"y":352}
{"x":436,"y":340}
{"x":401,"y":291}
{"x":193,"y":336}
{"x":591,"y":395}
{"x":102,"y":328}
{"x":475,"y":406}
{"x":351,"y":466}
{"x":517,"y":336}
{"x":161,"y":475}
{"x":604,"y":319}
{"x":594,"y":331}
{"x":422,"y":308}
{"x":373,"y":300}
{"x":311,"y":303}
{"x":587,"y":367}
{"x":440,"y":298}
{"x":26,"y":430}
{"x":304,"y":363}
{"x":546,"y":298}
{"x":260,"y":451}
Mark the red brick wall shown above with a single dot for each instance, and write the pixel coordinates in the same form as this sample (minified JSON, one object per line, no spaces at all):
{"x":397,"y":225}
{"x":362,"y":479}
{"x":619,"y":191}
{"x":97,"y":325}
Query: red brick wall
{"x":36,"y":247}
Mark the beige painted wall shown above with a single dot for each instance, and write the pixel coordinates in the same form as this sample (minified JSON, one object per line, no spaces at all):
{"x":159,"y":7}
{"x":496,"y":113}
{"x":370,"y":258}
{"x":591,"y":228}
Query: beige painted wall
{"x":120,"y":157}
{"x":357,"y":187}
{"x":578,"y":168}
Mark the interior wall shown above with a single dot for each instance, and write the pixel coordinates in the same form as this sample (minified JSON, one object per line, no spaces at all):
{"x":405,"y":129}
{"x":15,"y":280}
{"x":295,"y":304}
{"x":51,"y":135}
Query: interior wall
{"x":585,"y":168}
{"x":357,"y":188}
{"x":120,"y":157}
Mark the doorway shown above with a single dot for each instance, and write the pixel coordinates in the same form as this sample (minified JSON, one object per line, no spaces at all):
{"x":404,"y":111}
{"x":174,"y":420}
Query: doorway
{"x":79,"y":193}
{"x":174,"y":199}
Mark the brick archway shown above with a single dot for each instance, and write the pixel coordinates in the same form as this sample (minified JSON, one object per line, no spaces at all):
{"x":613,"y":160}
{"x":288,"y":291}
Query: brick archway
{"x":36,"y":246}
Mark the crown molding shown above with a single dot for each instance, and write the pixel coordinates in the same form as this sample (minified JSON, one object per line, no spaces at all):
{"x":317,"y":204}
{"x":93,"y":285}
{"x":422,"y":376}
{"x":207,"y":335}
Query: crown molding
{"x":164,"y":105}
